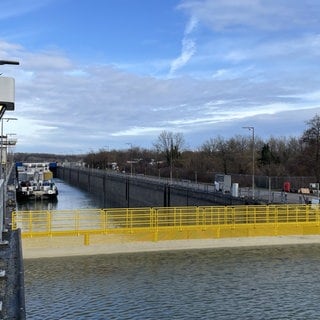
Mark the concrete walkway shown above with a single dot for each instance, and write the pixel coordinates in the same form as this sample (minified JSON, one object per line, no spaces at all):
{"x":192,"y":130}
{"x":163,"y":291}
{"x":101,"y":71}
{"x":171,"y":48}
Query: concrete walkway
{"x":73,"y":246}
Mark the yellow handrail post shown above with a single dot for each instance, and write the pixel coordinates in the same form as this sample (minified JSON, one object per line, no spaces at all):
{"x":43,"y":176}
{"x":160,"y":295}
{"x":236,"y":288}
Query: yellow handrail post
{"x":106,"y":220}
{"x":102,"y":220}
{"x":246,"y":215}
{"x":276,"y":220}
{"x":198,"y":216}
{"x":49,"y":227}
{"x":150,"y":218}
{"x":131,"y":221}
{"x":317,"y":214}
{"x":77,"y":221}
{"x":204,"y":221}
{"x":219,"y":224}
{"x":14,"y":220}
{"x":86,"y":239}
{"x":225,"y":215}
{"x":30,"y":222}
{"x":155,"y":236}
{"x":233,"y":218}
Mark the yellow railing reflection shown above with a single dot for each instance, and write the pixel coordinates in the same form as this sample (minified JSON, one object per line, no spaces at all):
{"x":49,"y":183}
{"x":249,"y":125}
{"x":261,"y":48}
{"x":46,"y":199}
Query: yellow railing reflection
{"x":172,"y":222}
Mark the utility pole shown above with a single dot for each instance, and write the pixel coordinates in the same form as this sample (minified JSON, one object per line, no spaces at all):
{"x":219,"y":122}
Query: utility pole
{"x":253,"y":150}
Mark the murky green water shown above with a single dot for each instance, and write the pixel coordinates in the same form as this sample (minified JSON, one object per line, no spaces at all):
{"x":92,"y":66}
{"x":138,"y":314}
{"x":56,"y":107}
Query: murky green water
{"x":255,"y":283}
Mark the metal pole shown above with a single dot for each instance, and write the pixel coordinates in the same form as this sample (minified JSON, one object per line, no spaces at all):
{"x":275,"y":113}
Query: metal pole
{"x":3,"y":204}
{"x":171,"y":159}
{"x":253,"y":149}
{"x":1,"y":146}
{"x":129,"y":143}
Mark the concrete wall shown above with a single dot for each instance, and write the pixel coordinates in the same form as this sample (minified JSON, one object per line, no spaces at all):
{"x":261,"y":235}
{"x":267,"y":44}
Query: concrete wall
{"x":120,"y":190}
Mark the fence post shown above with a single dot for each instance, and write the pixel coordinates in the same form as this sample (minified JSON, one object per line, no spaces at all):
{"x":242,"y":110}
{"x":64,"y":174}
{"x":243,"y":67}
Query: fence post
{"x":30,"y":222}
{"x":155,"y":219}
{"x":276,"y":220}
{"x":86,"y":239}
{"x":14,"y":220}
{"x":49,"y":223}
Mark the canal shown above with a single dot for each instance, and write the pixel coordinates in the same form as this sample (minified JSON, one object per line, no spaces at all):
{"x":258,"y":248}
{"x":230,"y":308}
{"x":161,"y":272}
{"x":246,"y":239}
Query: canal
{"x":235,"y":283}
{"x":69,"y":198}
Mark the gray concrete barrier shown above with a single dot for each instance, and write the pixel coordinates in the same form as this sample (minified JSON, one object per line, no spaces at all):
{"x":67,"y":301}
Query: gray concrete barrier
{"x":114,"y":189}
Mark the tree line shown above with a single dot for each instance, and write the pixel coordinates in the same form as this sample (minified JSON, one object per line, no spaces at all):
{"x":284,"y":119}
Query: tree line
{"x":169,"y":157}
{"x":281,"y":156}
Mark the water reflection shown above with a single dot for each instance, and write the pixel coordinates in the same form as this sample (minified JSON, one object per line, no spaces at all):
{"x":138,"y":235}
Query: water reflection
{"x":69,"y":198}
{"x":37,"y":204}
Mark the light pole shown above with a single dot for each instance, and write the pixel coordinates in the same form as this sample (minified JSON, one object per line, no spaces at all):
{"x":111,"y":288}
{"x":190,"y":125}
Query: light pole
{"x":252,"y":130}
{"x":130,"y":144}
{"x":171,"y":159}
{"x":106,"y":161}
{"x":2,"y":62}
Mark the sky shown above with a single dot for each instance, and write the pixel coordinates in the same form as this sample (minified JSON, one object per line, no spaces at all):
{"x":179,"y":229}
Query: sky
{"x":111,"y":74}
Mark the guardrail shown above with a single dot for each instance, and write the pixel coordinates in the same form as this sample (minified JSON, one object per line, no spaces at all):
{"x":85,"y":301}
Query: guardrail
{"x":172,"y":222}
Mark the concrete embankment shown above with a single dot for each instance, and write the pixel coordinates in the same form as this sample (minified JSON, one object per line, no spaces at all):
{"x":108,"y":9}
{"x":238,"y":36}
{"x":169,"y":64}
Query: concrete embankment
{"x":12,"y":283}
{"x":73,"y":246}
{"x":11,"y":261}
{"x":121,"y":190}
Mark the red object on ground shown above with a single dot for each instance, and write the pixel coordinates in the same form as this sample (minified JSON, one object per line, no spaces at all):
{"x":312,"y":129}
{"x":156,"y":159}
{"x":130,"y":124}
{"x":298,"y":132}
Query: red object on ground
{"x":286,"y":186}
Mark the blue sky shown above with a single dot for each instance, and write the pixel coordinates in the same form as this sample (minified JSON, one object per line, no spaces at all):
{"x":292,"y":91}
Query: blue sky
{"x":100,"y":74}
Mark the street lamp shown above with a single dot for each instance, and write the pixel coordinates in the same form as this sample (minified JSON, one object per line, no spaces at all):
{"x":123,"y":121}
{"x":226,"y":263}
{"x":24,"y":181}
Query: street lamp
{"x":129,"y":143}
{"x":106,"y":161}
{"x":252,"y":130}
{"x":171,"y":159}
{"x":2,"y":62}
{"x":6,"y":90}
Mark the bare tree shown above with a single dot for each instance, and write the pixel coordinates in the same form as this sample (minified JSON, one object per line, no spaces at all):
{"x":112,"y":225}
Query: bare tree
{"x":227,"y":155}
{"x":170,"y":145}
{"x":311,"y":137}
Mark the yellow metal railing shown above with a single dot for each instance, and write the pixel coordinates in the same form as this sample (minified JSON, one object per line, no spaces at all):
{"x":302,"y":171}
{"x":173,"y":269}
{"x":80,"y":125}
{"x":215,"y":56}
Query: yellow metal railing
{"x":172,"y":222}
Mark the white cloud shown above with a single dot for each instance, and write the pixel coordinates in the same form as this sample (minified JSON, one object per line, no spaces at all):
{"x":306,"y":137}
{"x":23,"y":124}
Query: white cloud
{"x":188,"y":50}
{"x":138,"y":131}
{"x":269,"y":15}
{"x":188,"y":47}
{"x":191,"y":26}
{"x":226,"y":77}
{"x":8,"y":10}
{"x":92,"y":106}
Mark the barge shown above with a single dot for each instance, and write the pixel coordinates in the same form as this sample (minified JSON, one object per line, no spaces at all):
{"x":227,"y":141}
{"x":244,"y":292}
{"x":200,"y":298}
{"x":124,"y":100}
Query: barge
{"x":35,"y":181}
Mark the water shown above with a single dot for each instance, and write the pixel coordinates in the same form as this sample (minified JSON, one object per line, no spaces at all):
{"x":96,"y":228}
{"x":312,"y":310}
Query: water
{"x":256,"y":283}
{"x":68,"y":198}
{"x":237,"y":283}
